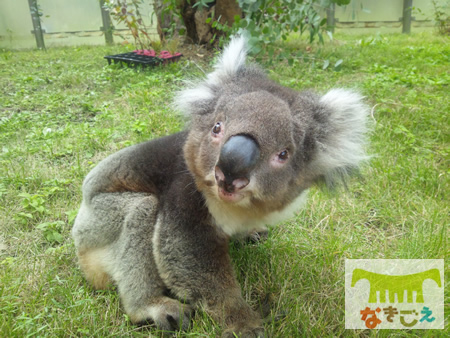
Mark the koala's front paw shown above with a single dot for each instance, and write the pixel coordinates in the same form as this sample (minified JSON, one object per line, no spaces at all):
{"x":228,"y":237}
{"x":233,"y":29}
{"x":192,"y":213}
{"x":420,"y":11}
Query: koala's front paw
{"x":257,"y":236}
{"x":167,"y":314}
{"x":244,"y":330}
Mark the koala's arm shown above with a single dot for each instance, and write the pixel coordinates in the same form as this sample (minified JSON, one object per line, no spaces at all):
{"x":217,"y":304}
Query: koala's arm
{"x":147,"y":167}
{"x":192,"y":255}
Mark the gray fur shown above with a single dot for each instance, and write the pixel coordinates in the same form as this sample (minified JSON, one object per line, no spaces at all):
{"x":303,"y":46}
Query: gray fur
{"x":156,"y":218}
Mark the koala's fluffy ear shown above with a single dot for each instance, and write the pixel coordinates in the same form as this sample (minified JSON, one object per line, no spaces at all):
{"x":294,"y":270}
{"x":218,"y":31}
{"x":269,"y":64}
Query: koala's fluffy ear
{"x":341,"y":144}
{"x":200,"y":98}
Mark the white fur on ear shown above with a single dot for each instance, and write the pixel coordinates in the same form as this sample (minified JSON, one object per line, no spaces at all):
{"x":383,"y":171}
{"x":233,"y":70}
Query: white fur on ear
{"x":342,"y":148}
{"x":194,"y":99}
{"x":198,"y":96}
{"x":232,"y":59}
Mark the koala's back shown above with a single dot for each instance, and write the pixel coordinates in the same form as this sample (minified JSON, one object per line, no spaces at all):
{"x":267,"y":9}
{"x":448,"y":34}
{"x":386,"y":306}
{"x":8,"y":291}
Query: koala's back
{"x":111,"y":188}
{"x":146,"y":167}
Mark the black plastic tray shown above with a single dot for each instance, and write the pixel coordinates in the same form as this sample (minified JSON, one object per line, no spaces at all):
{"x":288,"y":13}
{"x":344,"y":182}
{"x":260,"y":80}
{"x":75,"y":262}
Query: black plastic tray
{"x":133,"y":59}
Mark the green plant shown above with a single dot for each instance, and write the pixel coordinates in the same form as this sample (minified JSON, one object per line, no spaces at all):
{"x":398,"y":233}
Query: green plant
{"x":129,"y":12}
{"x":156,"y":45}
{"x":71,"y":215}
{"x":275,"y":20}
{"x":442,"y":16}
{"x":267,"y":22}
{"x":172,"y":45}
{"x":3,"y":190}
{"x":139,"y":127}
{"x":33,"y":203}
{"x":6,"y":54}
{"x":34,"y":206}
{"x":52,"y":231}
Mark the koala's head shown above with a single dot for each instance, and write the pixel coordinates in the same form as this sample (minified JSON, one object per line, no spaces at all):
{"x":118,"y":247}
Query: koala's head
{"x":254,"y":146}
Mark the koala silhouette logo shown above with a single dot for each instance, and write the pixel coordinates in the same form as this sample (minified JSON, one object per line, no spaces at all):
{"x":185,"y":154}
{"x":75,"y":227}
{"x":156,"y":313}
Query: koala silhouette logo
{"x":156,"y":217}
{"x":396,"y":284}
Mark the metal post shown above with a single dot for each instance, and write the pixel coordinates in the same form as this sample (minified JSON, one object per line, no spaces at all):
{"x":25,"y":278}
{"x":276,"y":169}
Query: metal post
{"x":407,"y":9}
{"x":331,"y":22}
{"x":37,"y":29}
{"x":107,"y":27}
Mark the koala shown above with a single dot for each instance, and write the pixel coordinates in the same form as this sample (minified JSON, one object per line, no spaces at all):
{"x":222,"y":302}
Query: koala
{"x":156,"y":218}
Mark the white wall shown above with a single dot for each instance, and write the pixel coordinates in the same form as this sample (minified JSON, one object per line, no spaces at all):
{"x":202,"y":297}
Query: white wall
{"x":65,"y":22}
{"x":384,"y":16}
{"x":382,"y":10}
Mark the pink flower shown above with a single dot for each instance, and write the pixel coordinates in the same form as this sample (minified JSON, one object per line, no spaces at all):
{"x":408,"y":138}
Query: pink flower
{"x":145,"y":52}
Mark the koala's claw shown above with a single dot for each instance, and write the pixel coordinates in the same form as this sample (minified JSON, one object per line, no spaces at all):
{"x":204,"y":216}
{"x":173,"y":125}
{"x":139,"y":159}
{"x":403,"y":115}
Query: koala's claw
{"x":171,"y":315}
{"x":244,"y":332}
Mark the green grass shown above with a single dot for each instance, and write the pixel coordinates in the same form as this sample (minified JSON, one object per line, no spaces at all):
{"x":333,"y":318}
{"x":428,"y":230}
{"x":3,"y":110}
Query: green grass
{"x":63,"y":110}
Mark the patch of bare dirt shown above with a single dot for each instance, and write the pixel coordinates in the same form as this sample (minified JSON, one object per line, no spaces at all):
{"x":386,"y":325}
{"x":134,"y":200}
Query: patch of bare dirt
{"x":197,"y":53}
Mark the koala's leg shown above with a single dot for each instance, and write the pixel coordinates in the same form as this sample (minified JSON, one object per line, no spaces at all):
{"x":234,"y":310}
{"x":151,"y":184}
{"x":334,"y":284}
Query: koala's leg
{"x":98,"y":225}
{"x":113,"y":235}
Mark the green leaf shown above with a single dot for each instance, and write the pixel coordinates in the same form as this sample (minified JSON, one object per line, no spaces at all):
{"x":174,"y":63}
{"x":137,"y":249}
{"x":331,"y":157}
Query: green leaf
{"x":71,"y":215}
{"x":256,"y":49}
{"x":341,"y":2}
{"x":330,"y":35}
{"x":57,"y":237}
{"x":42,"y":226}
{"x":337,"y":65}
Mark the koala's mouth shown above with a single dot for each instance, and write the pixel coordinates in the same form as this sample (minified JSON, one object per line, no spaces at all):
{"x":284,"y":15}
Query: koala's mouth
{"x":231,"y":197}
{"x":229,"y":189}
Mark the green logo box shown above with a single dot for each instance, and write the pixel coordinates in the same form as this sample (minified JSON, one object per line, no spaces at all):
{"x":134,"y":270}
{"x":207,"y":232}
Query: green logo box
{"x":394,"y":294}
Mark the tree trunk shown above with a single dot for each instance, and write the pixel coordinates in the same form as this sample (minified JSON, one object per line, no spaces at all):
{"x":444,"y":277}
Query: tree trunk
{"x":194,"y":18}
{"x":226,"y":10}
{"x":166,"y":21}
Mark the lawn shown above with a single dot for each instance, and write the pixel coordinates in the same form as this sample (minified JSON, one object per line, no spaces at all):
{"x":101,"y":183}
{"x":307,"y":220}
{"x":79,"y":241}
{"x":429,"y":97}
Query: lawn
{"x":63,"y":110}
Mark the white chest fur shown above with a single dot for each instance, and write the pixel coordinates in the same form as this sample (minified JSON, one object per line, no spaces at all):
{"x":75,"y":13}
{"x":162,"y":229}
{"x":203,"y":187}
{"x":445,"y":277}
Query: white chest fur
{"x":235,"y":220}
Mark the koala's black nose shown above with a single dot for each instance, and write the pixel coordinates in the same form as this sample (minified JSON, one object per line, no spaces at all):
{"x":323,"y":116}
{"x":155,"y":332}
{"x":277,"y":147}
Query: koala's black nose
{"x":238,"y":157}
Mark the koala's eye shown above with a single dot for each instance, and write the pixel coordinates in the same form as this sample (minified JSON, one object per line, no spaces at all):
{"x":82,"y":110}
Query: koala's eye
{"x":217,"y":128}
{"x":279,"y":160}
{"x":217,"y":133}
{"x":283,"y":156}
